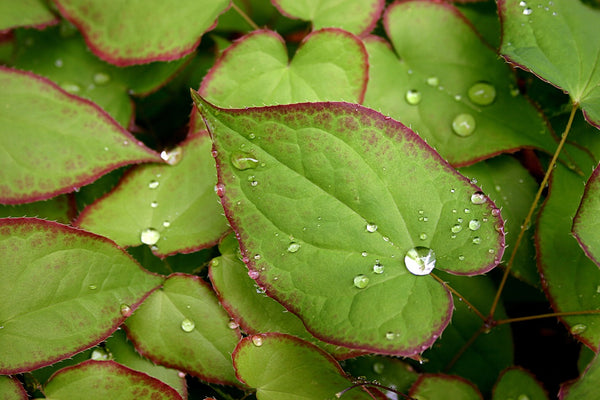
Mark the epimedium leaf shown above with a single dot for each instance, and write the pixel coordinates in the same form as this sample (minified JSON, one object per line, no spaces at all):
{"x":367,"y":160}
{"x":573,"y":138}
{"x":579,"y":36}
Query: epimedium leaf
{"x":557,"y":41}
{"x":586,"y":387}
{"x":330,"y":64}
{"x":106,"y":380}
{"x":441,"y":387}
{"x":108,"y":26}
{"x":388,"y":371}
{"x":194,"y":334}
{"x":250,"y":307}
{"x":587,"y":219}
{"x":42,"y":155}
{"x":356,"y":16}
{"x":33,"y":13}
{"x":333,"y":203}
{"x":517,"y":383}
{"x":59,"y":209}
{"x":290,"y":368}
{"x":172,"y":207}
{"x":64,"y":290}
{"x":12,"y":389}
{"x":454,"y":92}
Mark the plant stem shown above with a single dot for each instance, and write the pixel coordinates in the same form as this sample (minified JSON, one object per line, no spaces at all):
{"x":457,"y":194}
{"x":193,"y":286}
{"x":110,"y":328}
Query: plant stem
{"x":245,"y":16}
{"x":464,"y":348}
{"x":461,"y":297}
{"x":549,"y":315}
{"x":373,"y":384}
{"x":531,"y":211}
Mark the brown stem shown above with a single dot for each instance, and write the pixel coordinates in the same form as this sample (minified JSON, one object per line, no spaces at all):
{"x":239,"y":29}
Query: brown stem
{"x":245,"y":16}
{"x":549,"y":315}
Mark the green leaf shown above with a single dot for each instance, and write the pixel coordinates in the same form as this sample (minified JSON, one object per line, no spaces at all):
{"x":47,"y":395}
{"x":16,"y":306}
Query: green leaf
{"x":442,"y":387}
{"x":236,"y":80}
{"x":454,"y":92}
{"x":171,"y":207}
{"x":108,"y":26}
{"x":516,"y":383}
{"x":100,"y":380}
{"x":356,"y":16}
{"x":335,"y":190}
{"x":290,"y":368}
{"x":59,"y":209}
{"x":558,"y":42}
{"x":43,"y":155}
{"x":586,"y":224}
{"x":63,"y":290}
{"x":250,"y":308}
{"x":194,"y":335}
{"x":33,"y":13}
{"x":11,"y":389}
{"x":388,"y":371}
{"x":586,"y":387}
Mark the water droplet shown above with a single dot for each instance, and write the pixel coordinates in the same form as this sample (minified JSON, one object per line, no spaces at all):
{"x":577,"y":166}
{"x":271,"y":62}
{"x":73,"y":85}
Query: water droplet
{"x":232,"y":325}
{"x":452,"y":190}
{"x":166,"y":224}
{"x":253,"y":274}
{"x":457,"y":97}
{"x":242,"y":160}
{"x":420,"y":260}
{"x":461,"y":257}
{"x":598,"y":289}
{"x":173,"y":156}
{"x":523,"y":397}
{"x":71,"y":87}
{"x":491,"y":251}
{"x":463,"y":124}
{"x":413,"y":97}
{"x":257,"y":340}
{"x":293,"y":247}
{"x":527,"y":11}
{"x":220,"y":189}
{"x":101,"y":78}
{"x":390,"y":336}
{"x":364,"y":254}
{"x":423,"y":236}
{"x":371,"y":227}
{"x":125,"y":310}
{"x":378,"y":267}
{"x":58,"y":63}
{"x":456,"y":228}
{"x":187,"y":325}
{"x":467,"y":211}
{"x":149,"y":236}
{"x":474,"y":224}
{"x":482,"y":93}
{"x":496,"y":212}
{"x":433,"y":81}
{"x":361,"y":281}
{"x":99,"y":354}
{"x":154,"y":204}
{"x":523,"y":3}
{"x":153,"y":184}
{"x":92,"y":287}
{"x":476,"y":240}
{"x":253,"y":181}
{"x":478,"y":198}
{"x":378,"y":367}
{"x":578,"y":329}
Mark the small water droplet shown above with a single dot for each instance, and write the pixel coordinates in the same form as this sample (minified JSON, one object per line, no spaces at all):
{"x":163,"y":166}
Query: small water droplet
{"x":527,"y":11}
{"x":154,"y":204}
{"x":463,"y":124}
{"x":220,"y":189}
{"x":150,"y":236}
{"x":257,"y":340}
{"x":371,"y":227}
{"x":452,"y":190}
{"x":491,"y":251}
{"x":125,"y":310}
{"x":523,"y":397}
{"x":101,"y":78}
{"x":293,"y":247}
{"x":420,"y":260}
{"x":390,"y":336}
{"x":71,"y":87}
{"x":523,"y":3}
{"x":456,"y":228}
{"x":467,"y":211}
{"x":58,"y":63}
{"x":378,"y":267}
{"x":423,"y":236}
{"x":478,"y":198}
{"x":578,"y":329}
{"x":461,"y":257}
{"x":187,"y":325}
{"x":457,"y":97}
{"x":99,"y":354}
{"x":253,"y":181}
{"x":496,"y":212}
{"x":482,"y":93}
{"x":153,"y":184}
{"x":253,"y":274}
{"x":232,"y":325}
{"x":92,"y":287}
{"x":433,"y":81}
{"x":166,"y":224}
{"x":474,"y":224}
{"x":242,"y":160}
{"x":378,"y":367}
{"x":173,"y":156}
{"x":476,"y":240}
{"x":598,"y":289}
{"x":361,"y":281}
{"x":413,"y":97}
{"x":364,"y":254}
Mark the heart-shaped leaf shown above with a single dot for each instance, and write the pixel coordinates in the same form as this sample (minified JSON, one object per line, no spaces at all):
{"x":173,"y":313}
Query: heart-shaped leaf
{"x":95,"y":380}
{"x":63,"y":290}
{"x":32,"y":13}
{"x":453,"y":91}
{"x":194,"y":334}
{"x":12,"y":389}
{"x":290,"y":368}
{"x":171,"y":207}
{"x":356,"y":16}
{"x":516,"y":383}
{"x":586,"y":224}
{"x":559,"y":42}
{"x":442,"y":387}
{"x":110,"y":27}
{"x":334,"y":205}
{"x":586,"y":387}
{"x":43,"y":155}
{"x":256,"y":70}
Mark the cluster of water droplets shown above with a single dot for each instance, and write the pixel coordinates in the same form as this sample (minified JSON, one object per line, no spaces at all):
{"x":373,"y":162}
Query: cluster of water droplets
{"x":528,"y":10}
{"x":97,"y":79}
{"x":151,"y":235}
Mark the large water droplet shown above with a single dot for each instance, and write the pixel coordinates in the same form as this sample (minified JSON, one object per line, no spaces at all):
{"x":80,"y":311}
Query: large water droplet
{"x":463,"y":124}
{"x":482,"y":93}
{"x":173,"y":156}
{"x":378,"y":267}
{"x":125,"y":310}
{"x":361,"y":281}
{"x":371,"y":227}
{"x":578,"y":329}
{"x":71,"y":87}
{"x":150,"y":236}
{"x":187,"y":325}
{"x":101,"y":78}
{"x":456,"y":228}
{"x":478,"y":198}
{"x":413,"y":97}
{"x":293,"y":247}
{"x":420,"y":260}
{"x":153,"y":184}
{"x":242,"y":160}
{"x":527,"y":11}
{"x":257,"y":340}
{"x":474,"y":224}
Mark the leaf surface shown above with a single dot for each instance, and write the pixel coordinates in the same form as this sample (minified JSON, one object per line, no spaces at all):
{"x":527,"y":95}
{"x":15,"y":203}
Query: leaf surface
{"x":356,"y":16}
{"x":64,"y":290}
{"x":32,"y":13}
{"x":128,"y":33}
{"x":586,"y":387}
{"x":517,"y":383}
{"x":97,"y":380}
{"x":441,"y":387}
{"x":59,"y":209}
{"x":42,"y":155}
{"x":454,"y":92}
{"x":586,"y":224}
{"x":559,"y":42}
{"x":388,"y":371}
{"x":334,"y":190}
{"x":12,"y":389}
{"x":194,"y":335}
{"x":171,"y":207}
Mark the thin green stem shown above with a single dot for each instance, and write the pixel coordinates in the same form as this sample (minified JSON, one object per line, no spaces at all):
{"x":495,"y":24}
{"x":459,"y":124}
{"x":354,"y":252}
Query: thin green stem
{"x":549,"y":315}
{"x":245,"y":16}
{"x":461,"y":297}
{"x":464,"y":348}
{"x":531,"y":211}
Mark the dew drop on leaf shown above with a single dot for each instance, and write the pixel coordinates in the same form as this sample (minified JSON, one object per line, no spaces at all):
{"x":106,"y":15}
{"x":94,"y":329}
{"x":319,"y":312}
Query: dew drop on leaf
{"x":413,"y":97}
{"x":476,"y":240}
{"x":125,"y":310}
{"x":420,"y":260}
{"x":527,"y":11}
{"x":390,"y":336}
{"x":257,"y":340}
{"x":371,"y":227}
{"x":187,"y":325}
{"x":220,"y":189}
{"x":378,"y":267}
{"x":378,"y":367}
{"x":463,"y":124}
{"x":523,"y":397}
{"x":154,"y":204}
{"x":482,"y":93}
{"x":232,"y":325}
{"x":361,"y":281}
{"x":478,"y":198}
{"x":173,"y":156}
{"x":474,"y":224}
{"x":99,"y":354}
{"x":242,"y":160}
{"x":456,"y":228}
{"x":92,"y":287}
{"x":71,"y":87}
{"x":293,"y":247}
{"x":101,"y":78}
{"x":166,"y":224}
{"x":578,"y":329}
{"x":153,"y":184}
{"x":433,"y":81}
{"x":253,"y":274}
{"x":149,"y":236}
{"x":58,"y":63}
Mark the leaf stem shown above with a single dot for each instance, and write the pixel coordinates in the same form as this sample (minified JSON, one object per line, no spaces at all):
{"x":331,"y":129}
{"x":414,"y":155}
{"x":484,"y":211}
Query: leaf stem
{"x":527,"y":220}
{"x":548,"y":315}
{"x":464,"y":348}
{"x":244,"y":16}
{"x":461,"y":297}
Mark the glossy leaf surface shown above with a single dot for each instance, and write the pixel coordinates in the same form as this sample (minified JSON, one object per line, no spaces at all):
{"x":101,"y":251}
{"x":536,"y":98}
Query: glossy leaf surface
{"x":107,"y":26}
{"x":177,"y":203}
{"x":11,"y":389}
{"x":441,"y":387}
{"x":517,"y":383}
{"x":586,"y":224}
{"x":194,"y":336}
{"x":586,"y":387}
{"x":444,"y":82}
{"x":559,"y":42}
{"x":335,"y":189}
{"x":34,"y":13}
{"x":64,"y":290}
{"x":50,"y":156}
{"x":388,"y":371}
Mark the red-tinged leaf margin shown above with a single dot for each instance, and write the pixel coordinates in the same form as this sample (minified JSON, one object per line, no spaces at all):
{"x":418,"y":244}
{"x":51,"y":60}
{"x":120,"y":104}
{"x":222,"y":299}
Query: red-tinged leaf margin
{"x":128,"y":61}
{"x":523,"y":371}
{"x":119,"y":369}
{"x":374,"y":16}
{"x":55,"y":227}
{"x":424,"y":377}
{"x":94,"y":175}
{"x":17,"y":389}
{"x":226,"y":56}
{"x":592,"y":184}
{"x":39,"y":26}
{"x":565,"y":387}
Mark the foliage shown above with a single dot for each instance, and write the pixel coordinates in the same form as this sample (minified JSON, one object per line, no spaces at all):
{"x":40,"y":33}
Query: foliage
{"x":359,"y":199}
